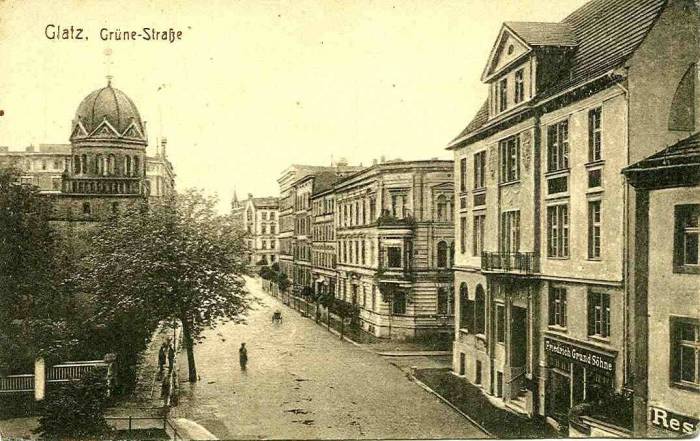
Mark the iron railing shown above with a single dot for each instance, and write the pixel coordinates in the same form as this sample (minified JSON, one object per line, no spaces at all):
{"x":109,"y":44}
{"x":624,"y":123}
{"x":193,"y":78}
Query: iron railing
{"x":524,"y":263}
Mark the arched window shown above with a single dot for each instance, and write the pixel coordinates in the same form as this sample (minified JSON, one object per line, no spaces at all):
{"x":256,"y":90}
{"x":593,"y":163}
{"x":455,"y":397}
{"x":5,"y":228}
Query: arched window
{"x":84,"y":164}
{"x":441,"y":208}
{"x":466,"y":309}
{"x":479,"y":311}
{"x":127,"y":165}
{"x":442,"y":254}
{"x":76,"y":164}
{"x":110,"y":164}
{"x":100,"y":165}
{"x":136,"y":165}
{"x":86,"y":208}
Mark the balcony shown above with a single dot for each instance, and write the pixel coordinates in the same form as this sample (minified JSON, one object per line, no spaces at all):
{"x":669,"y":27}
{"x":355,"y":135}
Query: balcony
{"x":510,"y":263}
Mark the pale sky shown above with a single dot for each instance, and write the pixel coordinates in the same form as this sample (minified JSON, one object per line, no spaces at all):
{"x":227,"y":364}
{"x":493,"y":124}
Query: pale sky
{"x":254,"y":86}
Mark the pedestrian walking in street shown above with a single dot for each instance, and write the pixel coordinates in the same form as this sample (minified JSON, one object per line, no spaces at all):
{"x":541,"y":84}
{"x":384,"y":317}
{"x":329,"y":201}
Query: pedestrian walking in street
{"x":162,"y":354}
{"x":171,"y":357}
{"x":243,"y":356}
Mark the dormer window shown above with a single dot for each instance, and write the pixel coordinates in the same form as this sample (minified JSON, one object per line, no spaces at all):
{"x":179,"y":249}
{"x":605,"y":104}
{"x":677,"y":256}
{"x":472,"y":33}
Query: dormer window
{"x":519,"y":87}
{"x":503,"y":94}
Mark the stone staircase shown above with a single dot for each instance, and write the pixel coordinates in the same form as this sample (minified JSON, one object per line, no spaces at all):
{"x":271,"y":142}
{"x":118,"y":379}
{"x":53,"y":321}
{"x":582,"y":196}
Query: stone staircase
{"x":518,"y":405}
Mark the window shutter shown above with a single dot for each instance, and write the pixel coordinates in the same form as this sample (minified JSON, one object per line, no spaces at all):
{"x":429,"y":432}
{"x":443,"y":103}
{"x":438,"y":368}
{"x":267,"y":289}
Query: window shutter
{"x":591,"y":312}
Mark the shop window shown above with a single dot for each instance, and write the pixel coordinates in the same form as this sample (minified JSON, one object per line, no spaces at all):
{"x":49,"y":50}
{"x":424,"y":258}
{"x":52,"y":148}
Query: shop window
{"x":393,"y":257}
{"x":442,"y":254}
{"x":510,"y":159}
{"x":558,"y":231}
{"x":687,"y":239}
{"x":557,"y":307}
{"x":685,"y":352}
{"x":442,"y":302}
{"x":594,"y":134}
{"x":558,"y":146}
{"x":599,"y":314}
{"x":479,"y":311}
{"x":594,"y":220}
{"x":500,"y":323}
{"x":399,"y":306}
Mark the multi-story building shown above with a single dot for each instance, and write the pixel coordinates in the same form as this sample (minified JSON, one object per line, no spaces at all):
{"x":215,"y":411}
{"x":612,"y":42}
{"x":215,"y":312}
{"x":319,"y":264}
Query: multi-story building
{"x":667,"y":266}
{"x":42,"y":166}
{"x":160,"y":177}
{"x":304,"y":226}
{"x":237,"y":211}
{"x":287,"y":200}
{"x":394,"y":246}
{"x":323,"y":245}
{"x":541,"y":281}
{"x":261,"y":223}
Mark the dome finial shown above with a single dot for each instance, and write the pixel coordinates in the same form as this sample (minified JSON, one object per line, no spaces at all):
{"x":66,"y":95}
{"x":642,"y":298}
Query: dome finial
{"x":109,"y":80}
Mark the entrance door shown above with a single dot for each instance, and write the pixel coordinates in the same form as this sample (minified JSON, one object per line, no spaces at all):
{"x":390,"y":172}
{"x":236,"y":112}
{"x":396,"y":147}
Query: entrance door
{"x":518,"y":337}
{"x":560,"y":395}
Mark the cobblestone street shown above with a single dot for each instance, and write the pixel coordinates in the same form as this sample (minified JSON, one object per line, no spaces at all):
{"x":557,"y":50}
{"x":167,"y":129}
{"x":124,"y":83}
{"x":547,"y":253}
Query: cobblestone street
{"x":302,"y":382}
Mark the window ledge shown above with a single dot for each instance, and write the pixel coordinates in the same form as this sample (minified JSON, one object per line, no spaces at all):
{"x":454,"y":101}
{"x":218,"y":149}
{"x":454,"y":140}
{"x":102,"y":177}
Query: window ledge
{"x":556,"y":328}
{"x":594,"y":190}
{"x":479,"y":190}
{"x":599,"y":339}
{"x":595,"y":164}
{"x":594,"y":259}
{"x":686,"y":269}
{"x":555,"y":196}
{"x":557,"y":173}
{"x":558,"y":258}
{"x":506,"y":184}
{"x":685,"y":386}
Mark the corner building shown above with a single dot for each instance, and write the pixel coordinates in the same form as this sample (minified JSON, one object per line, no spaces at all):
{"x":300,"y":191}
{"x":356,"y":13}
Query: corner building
{"x":542,"y":290}
{"x":394,"y":237}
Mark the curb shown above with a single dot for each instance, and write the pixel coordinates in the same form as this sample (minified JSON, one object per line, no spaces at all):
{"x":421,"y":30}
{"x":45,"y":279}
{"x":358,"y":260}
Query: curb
{"x":455,"y":408}
{"x":414,"y":353}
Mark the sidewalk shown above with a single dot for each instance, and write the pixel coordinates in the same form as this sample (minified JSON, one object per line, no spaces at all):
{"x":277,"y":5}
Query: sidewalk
{"x":471,"y":402}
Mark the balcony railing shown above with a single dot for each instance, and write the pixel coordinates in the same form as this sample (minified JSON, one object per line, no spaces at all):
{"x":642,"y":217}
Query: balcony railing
{"x":387,"y":220}
{"x":523,"y":263}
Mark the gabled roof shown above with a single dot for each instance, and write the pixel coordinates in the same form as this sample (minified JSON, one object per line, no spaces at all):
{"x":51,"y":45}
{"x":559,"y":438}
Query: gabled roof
{"x":543,"y":33}
{"x":607,"y":32}
{"x":676,"y":165}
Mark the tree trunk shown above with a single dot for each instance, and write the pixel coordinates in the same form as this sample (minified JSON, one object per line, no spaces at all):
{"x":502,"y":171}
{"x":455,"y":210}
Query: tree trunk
{"x":192,"y":368}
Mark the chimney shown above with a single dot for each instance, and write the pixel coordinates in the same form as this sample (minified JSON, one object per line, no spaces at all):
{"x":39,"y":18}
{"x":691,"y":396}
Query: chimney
{"x":30,"y":148}
{"x":382,"y":159}
{"x":163,"y":146}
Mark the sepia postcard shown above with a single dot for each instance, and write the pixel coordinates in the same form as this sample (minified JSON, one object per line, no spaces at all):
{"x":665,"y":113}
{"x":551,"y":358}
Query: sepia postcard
{"x":356,"y":219}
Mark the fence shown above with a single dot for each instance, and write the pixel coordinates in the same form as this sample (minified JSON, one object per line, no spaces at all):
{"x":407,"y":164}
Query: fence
{"x":17,"y":383}
{"x":56,"y":374}
{"x":131,"y":424}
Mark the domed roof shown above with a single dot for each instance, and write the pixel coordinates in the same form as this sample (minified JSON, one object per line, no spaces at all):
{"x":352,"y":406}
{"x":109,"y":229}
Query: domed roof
{"x":113,"y":105}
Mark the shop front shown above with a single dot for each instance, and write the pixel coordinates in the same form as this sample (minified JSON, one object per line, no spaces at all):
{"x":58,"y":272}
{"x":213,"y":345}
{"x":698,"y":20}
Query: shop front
{"x":575,"y":374}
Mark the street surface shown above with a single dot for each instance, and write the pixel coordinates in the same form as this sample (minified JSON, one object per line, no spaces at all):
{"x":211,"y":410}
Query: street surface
{"x":303,"y":382}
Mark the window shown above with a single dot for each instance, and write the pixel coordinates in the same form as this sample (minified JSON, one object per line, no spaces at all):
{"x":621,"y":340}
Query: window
{"x":685,"y":351}
{"x":480,"y":169}
{"x":477,"y":378}
{"x":362,"y":242}
{"x":393,"y":257}
{"x":503,"y":94}
{"x":558,"y":146}
{"x":510,"y":231}
{"x":44,"y":165}
{"x":463,"y":174}
{"x":56,"y":183}
{"x":136,"y":165}
{"x":479,"y":311}
{"x":519,"y":87}
{"x":594,"y":134}
{"x":557,"y":185}
{"x":557,"y":307}
{"x":687,"y":238}
{"x":594,"y":229}
{"x":115,"y":207}
{"x":442,"y":302}
{"x":599,"y":314}
{"x":462,"y":234}
{"x":76,"y":164}
{"x":86,"y":208}
{"x":466,"y":309}
{"x":441,"y":208}
{"x":83,"y":164}
{"x":510,"y":159}
{"x":442,"y":254}
{"x":263,"y":229}
{"x":272,"y":229}
{"x":399,"y":306}
{"x":374,"y":297}
{"x":397,"y":205}
{"x":558,"y":231}
{"x":500,"y":323}
{"x":478,"y":235}
{"x":594,"y":178}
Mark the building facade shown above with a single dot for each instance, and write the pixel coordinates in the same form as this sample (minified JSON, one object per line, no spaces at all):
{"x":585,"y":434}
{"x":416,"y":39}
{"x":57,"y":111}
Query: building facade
{"x":541,"y":282}
{"x":41,"y":166}
{"x":666,"y":262}
{"x":393,"y":224}
{"x":323,"y":245}
{"x":261,"y":217}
